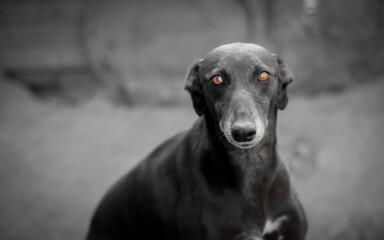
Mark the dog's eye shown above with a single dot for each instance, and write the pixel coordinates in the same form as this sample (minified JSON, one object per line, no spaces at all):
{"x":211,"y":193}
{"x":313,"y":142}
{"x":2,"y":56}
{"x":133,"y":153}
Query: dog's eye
{"x":217,"y":79}
{"x":263,"y":76}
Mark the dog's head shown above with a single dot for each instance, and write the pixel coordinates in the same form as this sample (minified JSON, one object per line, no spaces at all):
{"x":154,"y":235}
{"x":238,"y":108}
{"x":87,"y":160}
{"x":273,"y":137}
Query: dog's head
{"x":239,"y":84}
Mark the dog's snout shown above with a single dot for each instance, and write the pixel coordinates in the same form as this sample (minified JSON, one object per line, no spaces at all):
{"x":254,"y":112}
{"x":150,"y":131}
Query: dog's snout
{"x":243,"y":130}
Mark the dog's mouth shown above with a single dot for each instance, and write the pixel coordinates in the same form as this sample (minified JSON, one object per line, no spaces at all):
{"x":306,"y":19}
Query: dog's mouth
{"x":243,"y":145}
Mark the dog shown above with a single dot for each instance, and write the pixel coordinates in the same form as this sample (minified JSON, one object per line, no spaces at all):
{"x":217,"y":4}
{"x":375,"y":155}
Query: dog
{"x":222,"y":179}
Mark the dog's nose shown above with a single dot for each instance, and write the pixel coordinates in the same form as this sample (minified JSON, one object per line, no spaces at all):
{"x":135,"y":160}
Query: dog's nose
{"x":243,"y":131}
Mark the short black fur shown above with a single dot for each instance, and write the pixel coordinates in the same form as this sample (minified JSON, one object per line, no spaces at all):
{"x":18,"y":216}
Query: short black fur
{"x":203,"y":183}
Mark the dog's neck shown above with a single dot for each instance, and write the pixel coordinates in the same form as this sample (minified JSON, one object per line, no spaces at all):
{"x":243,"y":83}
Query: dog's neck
{"x":252,"y":169}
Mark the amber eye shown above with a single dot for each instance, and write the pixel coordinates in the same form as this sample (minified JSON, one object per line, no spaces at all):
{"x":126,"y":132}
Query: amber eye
{"x":263,"y":76}
{"x":217,"y":80}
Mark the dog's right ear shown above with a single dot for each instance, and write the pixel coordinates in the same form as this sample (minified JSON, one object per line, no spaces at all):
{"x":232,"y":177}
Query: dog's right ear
{"x":285,"y":78}
{"x":194,"y":87}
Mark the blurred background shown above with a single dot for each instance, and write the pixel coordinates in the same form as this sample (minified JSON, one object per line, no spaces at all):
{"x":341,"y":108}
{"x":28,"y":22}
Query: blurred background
{"x":88,"y":88}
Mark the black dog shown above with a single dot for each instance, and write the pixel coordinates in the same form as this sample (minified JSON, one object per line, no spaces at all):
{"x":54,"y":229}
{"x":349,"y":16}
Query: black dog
{"x":222,"y":179}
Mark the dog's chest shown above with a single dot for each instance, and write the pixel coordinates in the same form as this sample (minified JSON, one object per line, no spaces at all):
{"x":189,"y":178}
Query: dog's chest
{"x":230,"y":214}
{"x":234,"y":210}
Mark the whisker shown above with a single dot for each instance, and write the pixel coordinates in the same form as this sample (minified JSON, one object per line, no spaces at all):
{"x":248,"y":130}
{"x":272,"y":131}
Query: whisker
{"x":222,"y":136}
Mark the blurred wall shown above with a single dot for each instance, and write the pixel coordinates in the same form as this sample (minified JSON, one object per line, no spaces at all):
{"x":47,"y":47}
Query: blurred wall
{"x":142,"y":49}
{"x":40,"y":34}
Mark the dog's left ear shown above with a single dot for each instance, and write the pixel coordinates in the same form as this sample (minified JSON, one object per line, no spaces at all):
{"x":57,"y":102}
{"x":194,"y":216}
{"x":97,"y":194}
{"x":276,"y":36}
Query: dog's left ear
{"x":194,"y":87}
{"x":285,"y":78}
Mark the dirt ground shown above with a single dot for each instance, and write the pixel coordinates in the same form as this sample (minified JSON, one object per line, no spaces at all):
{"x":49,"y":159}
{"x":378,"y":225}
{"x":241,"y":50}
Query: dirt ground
{"x":56,"y":161}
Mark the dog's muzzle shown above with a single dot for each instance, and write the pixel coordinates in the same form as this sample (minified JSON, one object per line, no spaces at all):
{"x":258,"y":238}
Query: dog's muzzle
{"x":243,"y":130}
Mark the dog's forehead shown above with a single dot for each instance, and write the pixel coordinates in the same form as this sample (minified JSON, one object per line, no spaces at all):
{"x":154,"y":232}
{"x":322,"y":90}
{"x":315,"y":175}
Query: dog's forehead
{"x":240,"y":48}
{"x":240,"y":53}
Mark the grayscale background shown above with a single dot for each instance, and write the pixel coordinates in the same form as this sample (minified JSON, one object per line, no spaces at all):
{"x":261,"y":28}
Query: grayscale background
{"x":88,"y":88}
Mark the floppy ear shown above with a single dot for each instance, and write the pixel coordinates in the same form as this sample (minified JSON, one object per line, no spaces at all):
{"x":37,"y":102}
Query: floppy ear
{"x":285,"y":78}
{"x":194,"y":87}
